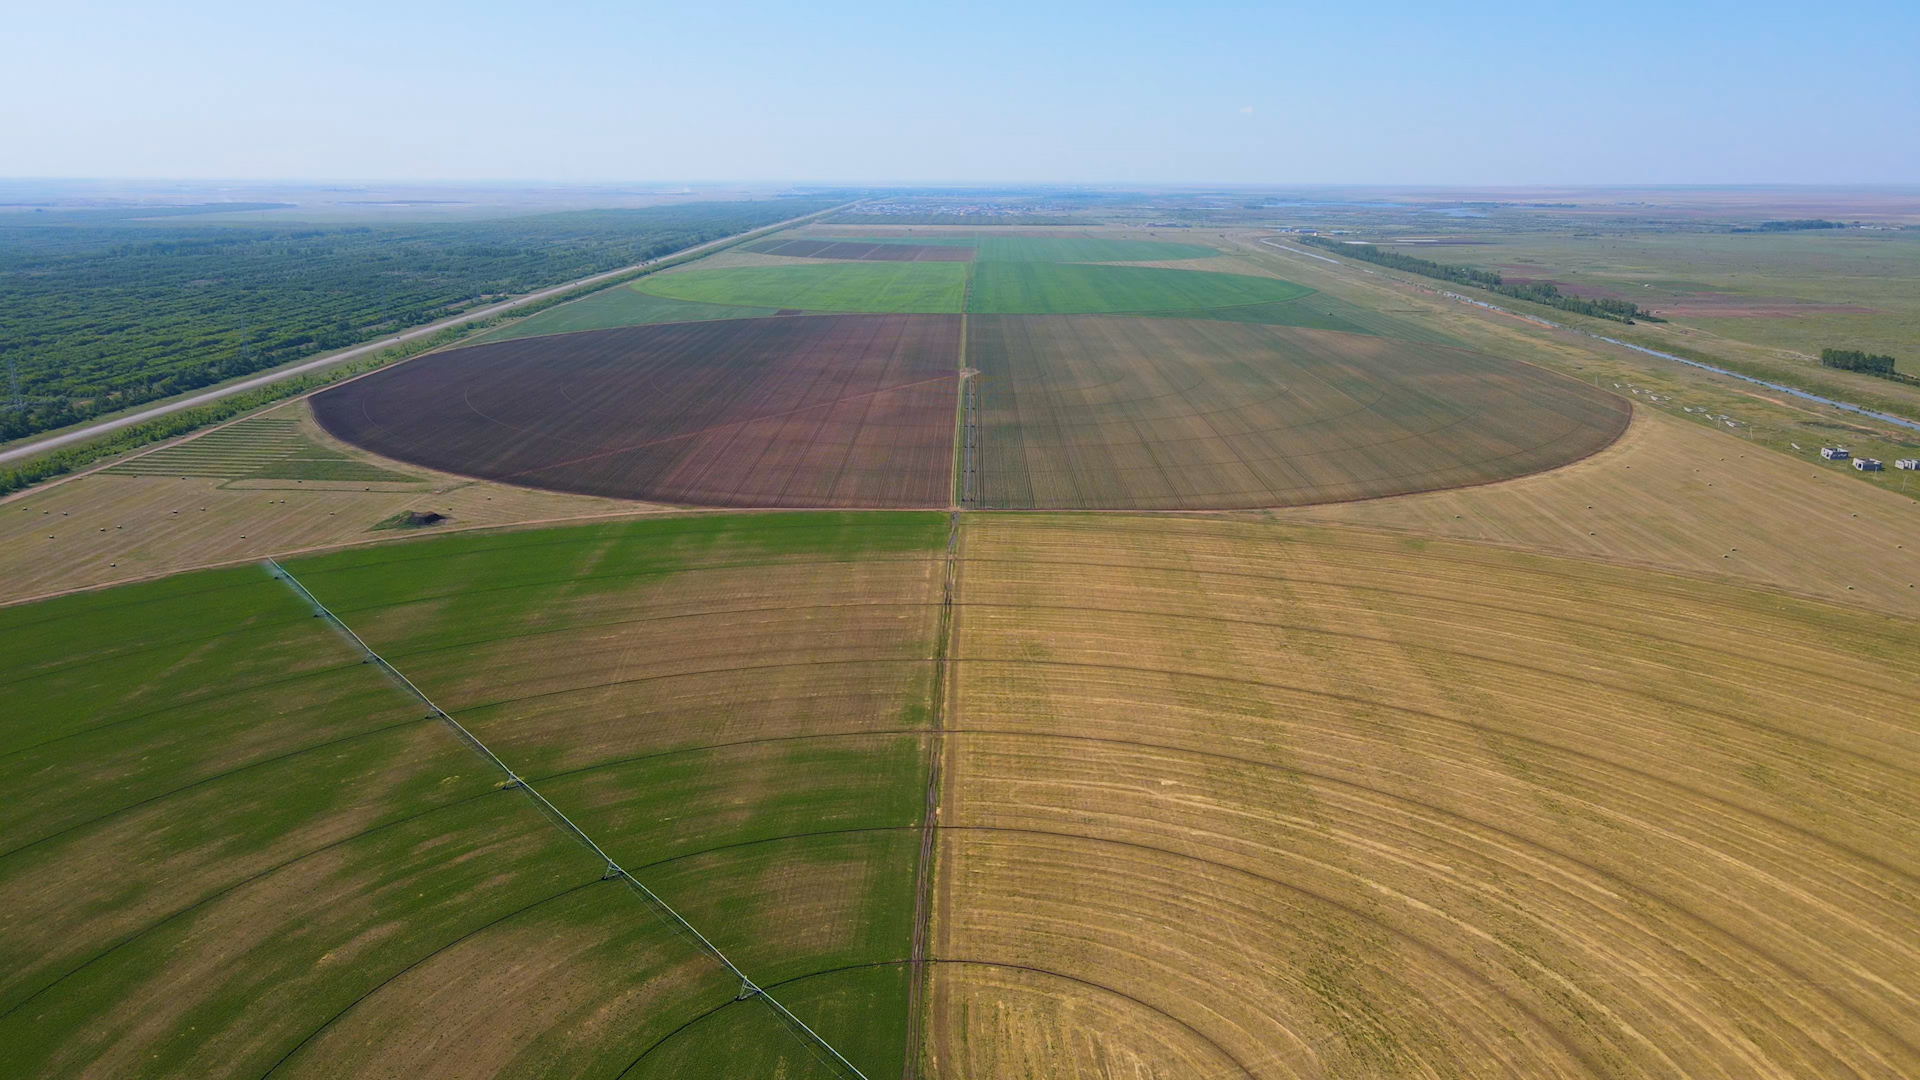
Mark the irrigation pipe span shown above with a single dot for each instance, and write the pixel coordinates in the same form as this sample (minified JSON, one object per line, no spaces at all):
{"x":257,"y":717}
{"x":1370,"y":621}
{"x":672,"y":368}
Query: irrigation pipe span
{"x":748,"y":988}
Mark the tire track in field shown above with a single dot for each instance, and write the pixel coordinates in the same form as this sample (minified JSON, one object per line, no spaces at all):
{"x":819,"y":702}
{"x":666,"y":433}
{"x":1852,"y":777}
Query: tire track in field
{"x":234,"y":887}
{"x":205,"y":780}
{"x":1724,"y":951}
{"x":266,"y":685}
{"x":388,"y":981}
{"x":957,"y":962}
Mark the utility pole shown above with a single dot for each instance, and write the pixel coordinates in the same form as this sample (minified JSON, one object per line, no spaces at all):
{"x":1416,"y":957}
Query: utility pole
{"x":17,"y":403}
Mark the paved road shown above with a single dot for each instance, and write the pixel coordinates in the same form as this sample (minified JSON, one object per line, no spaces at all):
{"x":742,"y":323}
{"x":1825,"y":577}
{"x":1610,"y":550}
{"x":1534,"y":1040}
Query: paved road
{"x":92,"y":431}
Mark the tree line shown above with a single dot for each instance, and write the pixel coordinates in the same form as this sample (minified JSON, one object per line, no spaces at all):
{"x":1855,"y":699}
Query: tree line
{"x":96,"y":317}
{"x":1869,"y":363}
{"x":1540,"y":292}
{"x":1796,"y":225}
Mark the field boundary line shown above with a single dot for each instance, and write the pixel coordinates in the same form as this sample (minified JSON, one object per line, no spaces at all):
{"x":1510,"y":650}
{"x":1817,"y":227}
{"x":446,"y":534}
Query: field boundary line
{"x":748,"y":988}
{"x":918,"y":972}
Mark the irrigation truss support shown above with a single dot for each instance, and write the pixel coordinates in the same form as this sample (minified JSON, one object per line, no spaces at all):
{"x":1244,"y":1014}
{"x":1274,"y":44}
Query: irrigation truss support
{"x":748,"y":988}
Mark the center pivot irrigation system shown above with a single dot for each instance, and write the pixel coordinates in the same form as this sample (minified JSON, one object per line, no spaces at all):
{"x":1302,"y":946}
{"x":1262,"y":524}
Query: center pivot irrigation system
{"x":748,"y":988}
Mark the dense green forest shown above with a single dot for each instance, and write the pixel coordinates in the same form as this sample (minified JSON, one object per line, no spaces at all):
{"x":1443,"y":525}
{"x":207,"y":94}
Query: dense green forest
{"x":1870,"y":363}
{"x":99,"y":315}
{"x":1855,"y":360}
{"x":1539,"y":292}
{"x":1796,"y":225}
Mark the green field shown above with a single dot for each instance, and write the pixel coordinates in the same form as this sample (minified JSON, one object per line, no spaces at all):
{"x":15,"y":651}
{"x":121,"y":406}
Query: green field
{"x":1065,"y":249}
{"x":236,"y":849}
{"x":257,"y":448}
{"x":1014,"y":287}
{"x":1321,"y":311}
{"x":623,"y":305}
{"x":1013,"y":275}
{"x":1040,"y":288}
{"x":879,"y":288}
{"x":1085,"y":249}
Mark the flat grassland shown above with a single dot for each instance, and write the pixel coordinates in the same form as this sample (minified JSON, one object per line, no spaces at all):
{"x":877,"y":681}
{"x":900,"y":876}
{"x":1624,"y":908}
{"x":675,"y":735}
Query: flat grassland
{"x":1279,"y":801}
{"x":1043,"y":288}
{"x":877,"y":287}
{"x":238,"y":851}
{"x":1003,"y":247}
{"x":998,"y":245}
{"x":266,"y":447}
{"x":1108,"y":413}
{"x":622,"y":305}
{"x":862,"y":250}
{"x":124,"y":523}
{"x":1758,"y":295}
{"x":815,"y":411}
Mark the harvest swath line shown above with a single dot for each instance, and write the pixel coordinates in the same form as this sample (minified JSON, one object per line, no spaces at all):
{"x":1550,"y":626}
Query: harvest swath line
{"x":748,"y":988}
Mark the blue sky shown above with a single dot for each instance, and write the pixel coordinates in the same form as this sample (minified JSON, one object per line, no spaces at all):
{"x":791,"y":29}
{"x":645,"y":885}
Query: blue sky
{"x":1273,"y":93}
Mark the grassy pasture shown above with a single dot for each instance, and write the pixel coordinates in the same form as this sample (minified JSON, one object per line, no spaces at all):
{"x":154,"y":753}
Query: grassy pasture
{"x":847,"y":410}
{"x":1041,"y":288}
{"x":1001,"y":246}
{"x":876,"y":287}
{"x":109,"y":527}
{"x":1084,"y":249}
{"x":1282,"y":801}
{"x":622,"y":305}
{"x":1800,"y":291}
{"x":1091,"y":413}
{"x":241,"y":852}
{"x":733,"y":703}
{"x":217,"y":803}
{"x":861,"y":250}
{"x":259,"y":448}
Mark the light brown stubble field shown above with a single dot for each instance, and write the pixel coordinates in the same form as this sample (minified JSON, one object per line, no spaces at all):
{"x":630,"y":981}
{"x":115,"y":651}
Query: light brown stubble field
{"x":109,"y":528}
{"x":1282,"y":801}
{"x":1677,"y":496}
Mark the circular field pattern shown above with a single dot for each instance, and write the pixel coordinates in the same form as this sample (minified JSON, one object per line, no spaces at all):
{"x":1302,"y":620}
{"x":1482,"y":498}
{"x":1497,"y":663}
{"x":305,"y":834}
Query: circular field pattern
{"x":1245,"y":801}
{"x":848,"y":410}
{"x":1106,"y":413}
{"x":1066,"y":412}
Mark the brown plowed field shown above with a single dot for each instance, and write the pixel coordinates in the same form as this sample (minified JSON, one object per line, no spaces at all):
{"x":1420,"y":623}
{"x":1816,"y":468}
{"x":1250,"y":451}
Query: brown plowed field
{"x":1097,"y":412}
{"x":1276,"y":801}
{"x":843,"y":410}
{"x":859,"y":252}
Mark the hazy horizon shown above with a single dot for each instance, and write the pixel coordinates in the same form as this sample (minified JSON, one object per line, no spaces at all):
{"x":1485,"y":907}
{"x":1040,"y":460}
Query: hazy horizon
{"x":1134,"y":94}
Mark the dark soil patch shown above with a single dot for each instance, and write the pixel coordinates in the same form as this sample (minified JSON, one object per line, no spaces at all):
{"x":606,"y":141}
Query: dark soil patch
{"x":834,"y":410}
{"x":412,"y":519}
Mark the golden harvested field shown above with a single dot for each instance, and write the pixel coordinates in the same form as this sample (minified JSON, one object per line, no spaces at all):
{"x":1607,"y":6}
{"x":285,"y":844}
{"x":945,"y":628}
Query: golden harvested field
{"x":111,"y":527}
{"x":1678,"y":496}
{"x":1232,"y":798}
